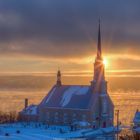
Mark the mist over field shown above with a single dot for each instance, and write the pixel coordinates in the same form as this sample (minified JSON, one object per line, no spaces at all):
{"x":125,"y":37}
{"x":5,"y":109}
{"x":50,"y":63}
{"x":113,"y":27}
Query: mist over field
{"x":36,"y":82}
{"x":124,"y":91}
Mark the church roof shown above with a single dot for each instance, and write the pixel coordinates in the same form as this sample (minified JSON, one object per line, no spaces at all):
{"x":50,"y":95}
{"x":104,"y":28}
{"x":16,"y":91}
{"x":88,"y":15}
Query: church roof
{"x":69,"y":97}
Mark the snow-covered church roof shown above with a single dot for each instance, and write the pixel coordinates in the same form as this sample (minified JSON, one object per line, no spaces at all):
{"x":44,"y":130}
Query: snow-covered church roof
{"x":69,"y":96}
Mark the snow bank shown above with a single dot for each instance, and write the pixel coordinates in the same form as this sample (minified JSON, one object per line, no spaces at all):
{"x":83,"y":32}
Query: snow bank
{"x":36,"y":131}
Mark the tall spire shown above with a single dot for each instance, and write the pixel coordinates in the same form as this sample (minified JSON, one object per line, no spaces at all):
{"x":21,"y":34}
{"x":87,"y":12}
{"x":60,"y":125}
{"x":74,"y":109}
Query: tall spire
{"x":99,"y":50}
{"x":98,"y":65}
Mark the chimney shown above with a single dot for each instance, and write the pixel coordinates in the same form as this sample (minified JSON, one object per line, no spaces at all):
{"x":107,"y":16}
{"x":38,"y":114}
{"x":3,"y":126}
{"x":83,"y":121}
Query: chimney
{"x":26,"y":102}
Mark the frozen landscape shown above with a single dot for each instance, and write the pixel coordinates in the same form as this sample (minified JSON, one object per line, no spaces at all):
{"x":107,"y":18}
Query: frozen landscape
{"x":34,"y":131}
{"x":12,"y":99}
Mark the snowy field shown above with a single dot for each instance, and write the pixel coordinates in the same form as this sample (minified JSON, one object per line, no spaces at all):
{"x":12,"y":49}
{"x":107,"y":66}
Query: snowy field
{"x":42,"y":132}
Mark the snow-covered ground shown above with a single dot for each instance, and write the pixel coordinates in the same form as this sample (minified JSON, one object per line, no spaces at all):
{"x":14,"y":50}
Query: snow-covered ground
{"x":33,"y":131}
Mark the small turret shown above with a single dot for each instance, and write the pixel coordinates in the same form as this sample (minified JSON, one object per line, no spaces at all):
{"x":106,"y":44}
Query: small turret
{"x":58,"y":82}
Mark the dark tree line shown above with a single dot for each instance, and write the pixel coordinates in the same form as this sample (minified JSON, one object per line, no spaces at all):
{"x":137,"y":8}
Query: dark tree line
{"x":9,"y":117}
{"x":128,"y":136}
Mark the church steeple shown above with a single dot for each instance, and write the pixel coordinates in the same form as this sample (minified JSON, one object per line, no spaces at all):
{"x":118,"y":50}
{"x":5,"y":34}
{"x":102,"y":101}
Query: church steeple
{"x":99,"y":83}
{"x":98,"y":65}
{"x":99,"y":49}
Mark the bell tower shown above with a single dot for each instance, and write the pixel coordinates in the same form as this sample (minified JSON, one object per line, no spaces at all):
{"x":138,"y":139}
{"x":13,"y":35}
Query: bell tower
{"x":99,"y":86}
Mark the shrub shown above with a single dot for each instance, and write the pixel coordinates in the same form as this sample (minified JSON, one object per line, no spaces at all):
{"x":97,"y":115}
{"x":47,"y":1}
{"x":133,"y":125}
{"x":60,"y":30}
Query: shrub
{"x":7,"y":134}
{"x":17,"y":131}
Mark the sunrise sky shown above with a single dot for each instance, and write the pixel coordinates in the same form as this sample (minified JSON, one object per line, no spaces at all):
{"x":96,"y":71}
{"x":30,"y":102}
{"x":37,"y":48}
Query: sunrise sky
{"x":47,"y":35}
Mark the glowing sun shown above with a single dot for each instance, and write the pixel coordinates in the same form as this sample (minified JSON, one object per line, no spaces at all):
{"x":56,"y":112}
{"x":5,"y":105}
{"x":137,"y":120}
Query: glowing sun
{"x":105,"y":62}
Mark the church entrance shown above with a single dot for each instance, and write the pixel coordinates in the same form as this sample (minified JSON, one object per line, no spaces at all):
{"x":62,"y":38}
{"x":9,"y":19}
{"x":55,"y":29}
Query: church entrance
{"x":104,"y":124}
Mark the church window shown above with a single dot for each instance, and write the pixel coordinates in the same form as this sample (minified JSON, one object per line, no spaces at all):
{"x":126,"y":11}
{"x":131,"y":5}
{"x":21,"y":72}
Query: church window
{"x":56,"y":117}
{"x":65,"y":118}
{"x":47,"y":116}
{"x":74,"y":117}
{"x":74,"y":114}
{"x":84,"y":117}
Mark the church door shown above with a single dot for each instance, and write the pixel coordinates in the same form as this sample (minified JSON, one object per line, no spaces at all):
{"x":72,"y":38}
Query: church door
{"x":104,"y":124}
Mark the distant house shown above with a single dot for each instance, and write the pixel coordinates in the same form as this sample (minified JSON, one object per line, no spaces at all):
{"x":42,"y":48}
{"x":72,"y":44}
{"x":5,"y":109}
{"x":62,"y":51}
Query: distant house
{"x":70,"y":104}
{"x":29,"y":113}
{"x":136,"y":119}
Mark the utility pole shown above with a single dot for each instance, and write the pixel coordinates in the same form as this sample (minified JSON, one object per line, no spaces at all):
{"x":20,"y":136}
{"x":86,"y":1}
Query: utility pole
{"x":117,"y":113}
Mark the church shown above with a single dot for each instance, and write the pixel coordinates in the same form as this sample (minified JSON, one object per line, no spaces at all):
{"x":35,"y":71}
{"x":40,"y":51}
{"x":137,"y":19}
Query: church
{"x":68,"y":104}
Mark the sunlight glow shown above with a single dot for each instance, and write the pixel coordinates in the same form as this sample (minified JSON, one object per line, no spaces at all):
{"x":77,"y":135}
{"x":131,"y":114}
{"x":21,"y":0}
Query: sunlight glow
{"x":105,"y":62}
